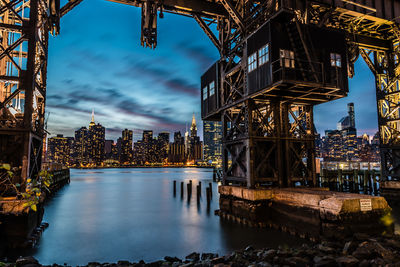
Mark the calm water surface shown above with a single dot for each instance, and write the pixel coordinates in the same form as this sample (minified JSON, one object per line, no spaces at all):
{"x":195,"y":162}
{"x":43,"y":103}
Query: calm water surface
{"x":108,"y":215}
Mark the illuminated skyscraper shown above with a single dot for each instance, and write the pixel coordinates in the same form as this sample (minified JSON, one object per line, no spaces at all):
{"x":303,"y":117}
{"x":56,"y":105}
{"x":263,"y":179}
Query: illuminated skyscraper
{"x":195,"y":146}
{"x":60,"y":149}
{"x":81,"y":153}
{"x":96,"y":142}
{"x":126,"y":147}
{"x":176,"y":153}
{"x":212,"y":133}
{"x":162,"y":146}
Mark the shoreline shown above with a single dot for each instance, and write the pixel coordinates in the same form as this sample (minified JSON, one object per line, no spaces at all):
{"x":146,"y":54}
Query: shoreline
{"x":139,"y":167}
{"x":360,"y":250}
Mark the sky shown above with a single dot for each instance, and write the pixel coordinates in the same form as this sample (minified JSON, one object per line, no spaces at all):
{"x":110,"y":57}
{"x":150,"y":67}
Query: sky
{"x":97,"y":63}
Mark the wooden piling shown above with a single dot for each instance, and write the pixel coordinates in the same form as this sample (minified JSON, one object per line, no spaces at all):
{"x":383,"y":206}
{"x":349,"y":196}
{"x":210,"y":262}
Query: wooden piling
{"x":365,"y":181}
{"x":174,"y":188}
{"x":214,"y":174}
{"x":340,"y":180}
{"x":210,"y":186}
{"x":181,"y":189}
{"x":198,"y":188}
{"x":208,"y":195}
{"x":355,"y":180}
{"x":189,"y":191}
{"x":374,"y":183}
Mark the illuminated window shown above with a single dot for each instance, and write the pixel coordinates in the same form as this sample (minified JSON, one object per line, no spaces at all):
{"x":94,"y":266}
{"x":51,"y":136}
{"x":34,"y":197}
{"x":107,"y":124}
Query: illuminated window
{"x":205,"y":93}
{"x":287,"y":57}
{"x":336,"y":60}
{"x":212,"y":88}
{"x":263,"y":55}
{"x":252,"y":62}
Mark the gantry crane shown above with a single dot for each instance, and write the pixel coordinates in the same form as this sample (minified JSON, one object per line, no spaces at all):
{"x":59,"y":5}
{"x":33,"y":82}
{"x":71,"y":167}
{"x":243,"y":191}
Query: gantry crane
{"x":278,"y":58}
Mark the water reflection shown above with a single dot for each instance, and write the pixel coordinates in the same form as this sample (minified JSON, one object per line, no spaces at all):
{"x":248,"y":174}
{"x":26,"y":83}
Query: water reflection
{"x":132,"y":214}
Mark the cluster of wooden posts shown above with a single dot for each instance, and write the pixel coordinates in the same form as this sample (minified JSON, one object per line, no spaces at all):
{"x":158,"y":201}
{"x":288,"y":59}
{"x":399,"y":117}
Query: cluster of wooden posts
{"x":198,"y":191}
{"x":354,"y":181}
{"x":217,"y":174}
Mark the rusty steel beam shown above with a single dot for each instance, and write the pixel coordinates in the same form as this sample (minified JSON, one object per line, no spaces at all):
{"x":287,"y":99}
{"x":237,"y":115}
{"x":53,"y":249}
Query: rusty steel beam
{"x":185,"y":7}
{"x":233,"y":13}
{"x":208,"y":31}
{"x":69,"y":6}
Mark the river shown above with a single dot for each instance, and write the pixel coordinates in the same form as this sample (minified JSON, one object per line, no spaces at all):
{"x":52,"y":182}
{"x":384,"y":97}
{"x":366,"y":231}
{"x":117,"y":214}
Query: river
{"x":106,"y":215}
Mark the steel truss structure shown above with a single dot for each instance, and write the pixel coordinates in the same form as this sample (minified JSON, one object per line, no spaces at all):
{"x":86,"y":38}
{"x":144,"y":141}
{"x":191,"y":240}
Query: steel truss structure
{"x":268,"y":136}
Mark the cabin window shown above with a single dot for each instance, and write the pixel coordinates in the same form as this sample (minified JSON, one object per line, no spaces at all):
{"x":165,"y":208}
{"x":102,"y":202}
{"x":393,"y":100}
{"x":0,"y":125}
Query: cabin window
{"x":212,"y":88}
{"x":205,"y":93}
{"x":263,"y":55}
{"x":287,"y":58}
{"x":336,"y":60}
{"x":252,"y":62}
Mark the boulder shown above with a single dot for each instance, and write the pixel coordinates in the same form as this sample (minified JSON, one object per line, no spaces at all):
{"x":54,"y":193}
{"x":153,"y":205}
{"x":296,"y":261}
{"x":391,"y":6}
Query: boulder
{"x":347,"y":261}
{"x":25,"y":261}
{"x":194,"y":256}
{"x":208,"y":256}
{"x":172,"y":259}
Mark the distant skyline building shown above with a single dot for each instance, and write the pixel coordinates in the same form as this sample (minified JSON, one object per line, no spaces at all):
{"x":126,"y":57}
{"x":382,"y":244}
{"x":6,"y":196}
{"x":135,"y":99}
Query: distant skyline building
{"x":96,"y":142}
{"x":126,"y":152}
{"x":81,"y":152}
{"x":195,"y":146}
{"x":176,"y":153}
{"x":60,"y":149}
{"x":212,"y":134}
{"x":344,"y":144}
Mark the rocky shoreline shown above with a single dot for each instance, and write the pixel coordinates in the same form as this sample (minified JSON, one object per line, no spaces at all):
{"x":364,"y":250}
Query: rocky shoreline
{"x":360,"y":250}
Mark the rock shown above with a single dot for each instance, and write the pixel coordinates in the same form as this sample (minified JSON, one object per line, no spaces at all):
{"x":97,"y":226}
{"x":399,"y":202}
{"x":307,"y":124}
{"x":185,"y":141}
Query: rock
{"x":187,"y":265}
{"x":269,"y":254}
{"x":209,"y":256}
{"x":264,"y":264}
{"x":377,"y":262}
{"x":325,"y":248}
{"x":324,"y":261}
{"x":32,"y":265}
{"x":123,"y":263}
{"x":377,"y":249}
{"x":349,"y":247}
{"x":393,"y":243}
{"x":362,"y":253}
{"x":218,"y":260}
{"x":361,"y":236}
{"x":25,"y":261}
{"x":296,"y":261}
{"x":154,"y":264}
{"x":249,"y":248}
{"x":364,"y":263}
{"x":347,"y":261}
{"x":172,"y":259}
{"x":193,"y":256}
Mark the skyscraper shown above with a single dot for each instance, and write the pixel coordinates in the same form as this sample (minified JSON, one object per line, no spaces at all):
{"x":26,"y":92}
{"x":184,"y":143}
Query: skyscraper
{"x":212,"y":134}
{"x":162,"y":146}
{"x":176,"y":153}
{"x":126,"y":147}
{"x":60,"y":149}
{"x":81,"y":153}
{"x":96,"y":142}
{"x":195,"y":146}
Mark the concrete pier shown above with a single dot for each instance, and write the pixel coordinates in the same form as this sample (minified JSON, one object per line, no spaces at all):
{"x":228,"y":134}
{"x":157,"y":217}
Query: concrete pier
{"x":307,"y":212}
{"x":391,"y":191}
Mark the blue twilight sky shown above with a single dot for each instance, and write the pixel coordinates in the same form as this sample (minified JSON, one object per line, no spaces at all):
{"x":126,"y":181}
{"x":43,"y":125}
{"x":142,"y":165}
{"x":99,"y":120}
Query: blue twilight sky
{"x":97,"y":63}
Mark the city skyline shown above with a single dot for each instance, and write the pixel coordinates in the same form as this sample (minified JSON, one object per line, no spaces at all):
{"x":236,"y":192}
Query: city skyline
{"x":108,"y":70}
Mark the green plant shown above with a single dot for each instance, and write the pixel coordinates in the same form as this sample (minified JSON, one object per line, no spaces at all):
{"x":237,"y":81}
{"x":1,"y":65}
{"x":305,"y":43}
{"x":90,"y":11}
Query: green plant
{"x":33,"y":189}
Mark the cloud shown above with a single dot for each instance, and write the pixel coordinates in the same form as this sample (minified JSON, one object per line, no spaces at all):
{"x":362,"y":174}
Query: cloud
{"x":203,"y":56}
{"x":138,"y":70}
